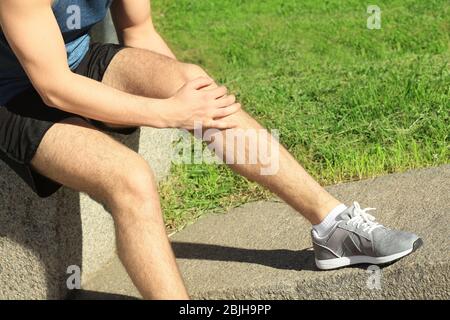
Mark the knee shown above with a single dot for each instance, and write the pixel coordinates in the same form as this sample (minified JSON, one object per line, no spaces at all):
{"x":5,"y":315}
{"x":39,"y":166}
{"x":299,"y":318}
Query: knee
{"x":193,"y":71}
{"x":241,"y":118}
{"x":134,"y":189}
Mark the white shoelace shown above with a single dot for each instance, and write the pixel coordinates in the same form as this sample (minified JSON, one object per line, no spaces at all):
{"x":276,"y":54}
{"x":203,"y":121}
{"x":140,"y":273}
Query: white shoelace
{"x":364,"y":219}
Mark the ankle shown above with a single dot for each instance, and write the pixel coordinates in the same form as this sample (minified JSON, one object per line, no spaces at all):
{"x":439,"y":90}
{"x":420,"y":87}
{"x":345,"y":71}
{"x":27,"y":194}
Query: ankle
{"x":324,"y":209}
{"x":329,"y":221}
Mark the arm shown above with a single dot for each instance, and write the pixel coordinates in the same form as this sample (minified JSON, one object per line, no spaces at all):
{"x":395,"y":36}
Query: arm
{"x":32,"y":32}
{"x":134,"y":26}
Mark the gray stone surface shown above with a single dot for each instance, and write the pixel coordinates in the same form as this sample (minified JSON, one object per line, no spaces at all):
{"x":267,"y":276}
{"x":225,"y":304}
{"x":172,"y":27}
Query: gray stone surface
{"x":263,"y":250}
{"x":39,"y":238}
{"x":30,"y":248}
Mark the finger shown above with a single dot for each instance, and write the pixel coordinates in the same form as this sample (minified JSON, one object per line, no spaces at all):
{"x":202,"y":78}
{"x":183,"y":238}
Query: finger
{"x":227,"y":111}
{"x":218,"y":92}
{"x":210,"y":87}
{"x":200,"y":83}
{"x":226,"y":101}
{"x":221,"y":124}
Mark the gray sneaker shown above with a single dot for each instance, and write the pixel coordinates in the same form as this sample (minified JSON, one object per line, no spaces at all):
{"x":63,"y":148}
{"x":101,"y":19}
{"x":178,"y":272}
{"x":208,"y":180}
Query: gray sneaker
{"x":357,"y":238}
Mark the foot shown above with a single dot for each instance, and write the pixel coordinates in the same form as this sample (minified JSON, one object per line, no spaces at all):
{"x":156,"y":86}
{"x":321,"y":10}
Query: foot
{"x":356,"y":238}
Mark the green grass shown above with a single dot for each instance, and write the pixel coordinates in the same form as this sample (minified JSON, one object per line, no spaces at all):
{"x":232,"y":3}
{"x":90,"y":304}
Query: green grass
{"x":349,"y":102}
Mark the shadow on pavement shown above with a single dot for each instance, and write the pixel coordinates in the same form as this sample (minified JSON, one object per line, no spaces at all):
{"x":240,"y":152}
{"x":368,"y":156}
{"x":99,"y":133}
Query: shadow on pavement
{"x":275,"y":258}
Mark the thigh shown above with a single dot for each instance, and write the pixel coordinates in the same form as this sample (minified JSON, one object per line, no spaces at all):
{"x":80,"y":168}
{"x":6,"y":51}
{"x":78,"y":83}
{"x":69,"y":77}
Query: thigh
{"x":77,"y":155}
{"x":149,"y":74}
{"x":145,"y":73}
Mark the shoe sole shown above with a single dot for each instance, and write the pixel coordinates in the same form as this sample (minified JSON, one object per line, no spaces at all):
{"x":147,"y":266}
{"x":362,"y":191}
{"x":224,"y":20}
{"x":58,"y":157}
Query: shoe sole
{"x":348,"y":261}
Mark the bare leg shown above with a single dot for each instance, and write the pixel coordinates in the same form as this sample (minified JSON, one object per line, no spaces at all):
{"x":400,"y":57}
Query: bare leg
{"x":149,"y":74}
{"x":121,"y":180}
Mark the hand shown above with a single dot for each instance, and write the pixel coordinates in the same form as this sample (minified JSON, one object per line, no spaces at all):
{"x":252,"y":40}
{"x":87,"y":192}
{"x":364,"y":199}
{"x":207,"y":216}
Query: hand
{"x":196,"y":104}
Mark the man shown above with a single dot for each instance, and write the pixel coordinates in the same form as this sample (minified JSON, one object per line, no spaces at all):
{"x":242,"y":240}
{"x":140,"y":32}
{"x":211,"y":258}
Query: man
{"x":59,"y":93}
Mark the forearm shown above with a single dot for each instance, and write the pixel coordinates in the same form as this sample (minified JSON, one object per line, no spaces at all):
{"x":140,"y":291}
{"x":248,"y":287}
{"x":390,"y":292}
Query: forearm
{"x":94,"y":100}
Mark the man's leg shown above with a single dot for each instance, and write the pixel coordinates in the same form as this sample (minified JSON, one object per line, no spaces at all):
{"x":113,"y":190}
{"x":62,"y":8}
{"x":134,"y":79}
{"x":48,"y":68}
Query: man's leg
{"x":78,"y":156}
{"x":149,"y":74}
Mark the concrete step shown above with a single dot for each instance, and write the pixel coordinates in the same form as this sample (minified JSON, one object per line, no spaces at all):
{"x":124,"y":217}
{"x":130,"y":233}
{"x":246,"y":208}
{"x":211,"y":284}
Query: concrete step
{"x":263,"y":250}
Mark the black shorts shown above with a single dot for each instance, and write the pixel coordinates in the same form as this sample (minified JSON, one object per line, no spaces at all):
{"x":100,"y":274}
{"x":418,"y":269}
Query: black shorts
{"x":25,"y":119}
